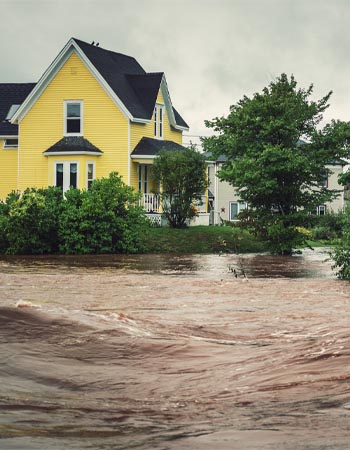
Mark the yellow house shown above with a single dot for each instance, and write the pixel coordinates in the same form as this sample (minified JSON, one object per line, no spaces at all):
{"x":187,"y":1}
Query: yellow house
{"x":92,"y":112}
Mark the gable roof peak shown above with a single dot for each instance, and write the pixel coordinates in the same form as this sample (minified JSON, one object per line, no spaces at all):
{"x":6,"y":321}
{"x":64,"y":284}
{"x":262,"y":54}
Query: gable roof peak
{"x":132,"y":89}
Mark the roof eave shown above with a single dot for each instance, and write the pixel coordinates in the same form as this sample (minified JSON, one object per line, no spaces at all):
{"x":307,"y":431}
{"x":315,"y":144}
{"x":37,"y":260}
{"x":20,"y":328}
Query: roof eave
{"x":178,"y":127}
{"x":74,"y":152}
{"x":142,"y":156}
{"x":138,"y":120}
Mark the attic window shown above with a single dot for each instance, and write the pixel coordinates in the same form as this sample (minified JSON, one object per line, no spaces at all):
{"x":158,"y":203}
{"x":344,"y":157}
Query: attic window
{"x":13,"y":109}
{"x":73,"y":118}
{"x":158,"y":121}
{"x":11,"y":143}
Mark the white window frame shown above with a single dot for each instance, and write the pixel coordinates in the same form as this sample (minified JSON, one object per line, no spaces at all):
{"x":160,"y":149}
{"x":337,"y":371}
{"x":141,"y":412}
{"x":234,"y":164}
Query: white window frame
{"x":66,"y":163}
{"x":159,"y":121}
{"x":144,"y":177}
{"x":323,"y":208}
{"x":11,"y":146}
{"x":93,"y":172}
{"x":241,"y":206}
{"x":65,"y":106}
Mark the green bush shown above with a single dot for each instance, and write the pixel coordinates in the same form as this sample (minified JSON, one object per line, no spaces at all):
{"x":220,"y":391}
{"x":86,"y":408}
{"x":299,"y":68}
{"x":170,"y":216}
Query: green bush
{"x":322,"y":233}
{"x":104,"y":219}
{"x":341,"y":258}
{"x":341,"y":252}
{"x":29,"y":222}
{"x":328,"y":227}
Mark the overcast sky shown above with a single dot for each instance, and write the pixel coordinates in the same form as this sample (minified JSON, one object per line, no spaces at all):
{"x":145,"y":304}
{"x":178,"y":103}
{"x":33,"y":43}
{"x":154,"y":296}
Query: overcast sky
{"x":212,"y":51}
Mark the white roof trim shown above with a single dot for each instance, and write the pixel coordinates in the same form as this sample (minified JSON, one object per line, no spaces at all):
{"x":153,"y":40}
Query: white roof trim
{"x":136,"y":120}
{"x":53,"y":69}
{"x":75,"y":153}
{"x":169,"y":106}
{"x":143,"y":156}
{"x":13,"y":136}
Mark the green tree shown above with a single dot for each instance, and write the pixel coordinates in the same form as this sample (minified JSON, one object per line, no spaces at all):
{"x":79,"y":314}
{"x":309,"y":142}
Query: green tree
{"x":277,"y":156}
{"x":182,"y":177}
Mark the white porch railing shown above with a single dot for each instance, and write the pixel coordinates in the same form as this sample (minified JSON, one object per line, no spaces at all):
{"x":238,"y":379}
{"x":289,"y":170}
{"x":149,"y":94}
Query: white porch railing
{"x":150,"y":202}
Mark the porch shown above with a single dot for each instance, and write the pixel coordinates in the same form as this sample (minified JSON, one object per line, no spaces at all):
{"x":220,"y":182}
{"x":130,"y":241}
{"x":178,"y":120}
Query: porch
{"x":152,"y":207}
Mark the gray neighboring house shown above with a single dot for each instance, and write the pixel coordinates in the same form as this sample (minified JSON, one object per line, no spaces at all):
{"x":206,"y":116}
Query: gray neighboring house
{"x":224,"y":201}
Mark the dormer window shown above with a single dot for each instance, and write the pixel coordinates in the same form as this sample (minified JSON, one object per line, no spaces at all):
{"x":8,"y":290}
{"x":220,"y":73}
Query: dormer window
{"x":11,"y":143}
{"x":73,"y":118}
{"x":159,"y":121}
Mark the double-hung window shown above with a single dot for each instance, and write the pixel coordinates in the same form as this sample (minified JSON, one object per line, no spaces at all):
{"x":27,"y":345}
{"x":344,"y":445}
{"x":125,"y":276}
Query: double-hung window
{"x":159,"y":121}
{"x":90,"y":174}
{"x":235,"y":209}
{"x":73,"y":118}
{"x":321,"y":210}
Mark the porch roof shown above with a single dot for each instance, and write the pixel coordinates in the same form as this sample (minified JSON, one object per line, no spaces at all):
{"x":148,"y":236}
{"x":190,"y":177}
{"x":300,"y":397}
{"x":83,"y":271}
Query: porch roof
{"x":149,"y":147}
{"x":73,"y":145}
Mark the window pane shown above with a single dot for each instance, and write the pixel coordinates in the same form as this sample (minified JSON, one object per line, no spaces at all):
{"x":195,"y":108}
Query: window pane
{"x":160,"y":122}
{"x":146,"y":181}
{"x":90,"y":171}
{"x":73,"y":175}
{"x":59,"y":175}
{"x":90,"y":175}
{"x":73,"y":109}
{"x":234,"y":211}
{"x":155,"y":121}
{"x":73,"y":125}
{"x":11,"y":143}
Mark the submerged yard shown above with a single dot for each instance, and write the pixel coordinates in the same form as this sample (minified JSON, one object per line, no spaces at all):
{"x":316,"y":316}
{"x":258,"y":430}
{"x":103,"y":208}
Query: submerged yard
{"x":174,"y":352}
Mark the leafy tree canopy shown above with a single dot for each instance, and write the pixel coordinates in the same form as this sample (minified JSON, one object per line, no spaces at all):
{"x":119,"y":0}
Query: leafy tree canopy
{"x":277,"y":156}
{"x":182,"y":177}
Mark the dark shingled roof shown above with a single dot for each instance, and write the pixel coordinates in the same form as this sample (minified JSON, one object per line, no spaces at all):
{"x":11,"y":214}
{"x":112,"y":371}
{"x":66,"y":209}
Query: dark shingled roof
{"x":151,"y":147}
{"x":136,"y":89}
{"x":74,"y":144}
{"x":179,"y":120}
{"x":11,"y":94}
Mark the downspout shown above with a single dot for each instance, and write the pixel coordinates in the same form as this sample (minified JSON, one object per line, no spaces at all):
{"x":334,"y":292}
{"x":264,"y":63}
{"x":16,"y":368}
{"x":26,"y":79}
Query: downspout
{"x":18,"y":156}
{"x":129,"y":152}
{"x":216,"y":190}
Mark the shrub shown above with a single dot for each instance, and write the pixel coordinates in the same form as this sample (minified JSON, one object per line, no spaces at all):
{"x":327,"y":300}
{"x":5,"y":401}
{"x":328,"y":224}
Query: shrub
{"x":104,"y":219}
{"x":341,"y":253}
{"x":341,"y":258}
{"x":29,"y":222}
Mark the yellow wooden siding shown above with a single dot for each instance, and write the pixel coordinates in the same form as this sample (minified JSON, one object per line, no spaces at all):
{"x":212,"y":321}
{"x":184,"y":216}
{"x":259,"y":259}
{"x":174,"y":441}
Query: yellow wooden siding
{"x":138,"y":131}
{"x":104,"y":125}
{"x":8,"y":164}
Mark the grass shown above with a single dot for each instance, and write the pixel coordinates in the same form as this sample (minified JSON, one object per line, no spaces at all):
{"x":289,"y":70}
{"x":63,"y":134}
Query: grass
{"x":201,"y":239}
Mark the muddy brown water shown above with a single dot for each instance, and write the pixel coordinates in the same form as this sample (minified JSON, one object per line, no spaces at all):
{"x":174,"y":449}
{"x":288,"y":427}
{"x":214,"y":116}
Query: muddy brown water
{"x":174,"y":352}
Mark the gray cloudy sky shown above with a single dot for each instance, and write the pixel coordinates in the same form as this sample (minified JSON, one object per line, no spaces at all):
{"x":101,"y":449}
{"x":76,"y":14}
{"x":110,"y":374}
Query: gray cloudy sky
{"x":212,"y":51}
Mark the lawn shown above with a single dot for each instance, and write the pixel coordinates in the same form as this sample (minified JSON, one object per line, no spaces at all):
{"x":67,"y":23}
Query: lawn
{"x":201,"y":239}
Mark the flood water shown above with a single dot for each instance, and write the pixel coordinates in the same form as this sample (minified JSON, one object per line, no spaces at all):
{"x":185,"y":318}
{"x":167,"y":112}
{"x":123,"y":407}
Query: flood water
{"x":174,"y":352}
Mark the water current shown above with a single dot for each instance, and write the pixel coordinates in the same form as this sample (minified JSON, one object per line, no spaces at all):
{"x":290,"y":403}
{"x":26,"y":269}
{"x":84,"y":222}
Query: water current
{"x":174,"y":352}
